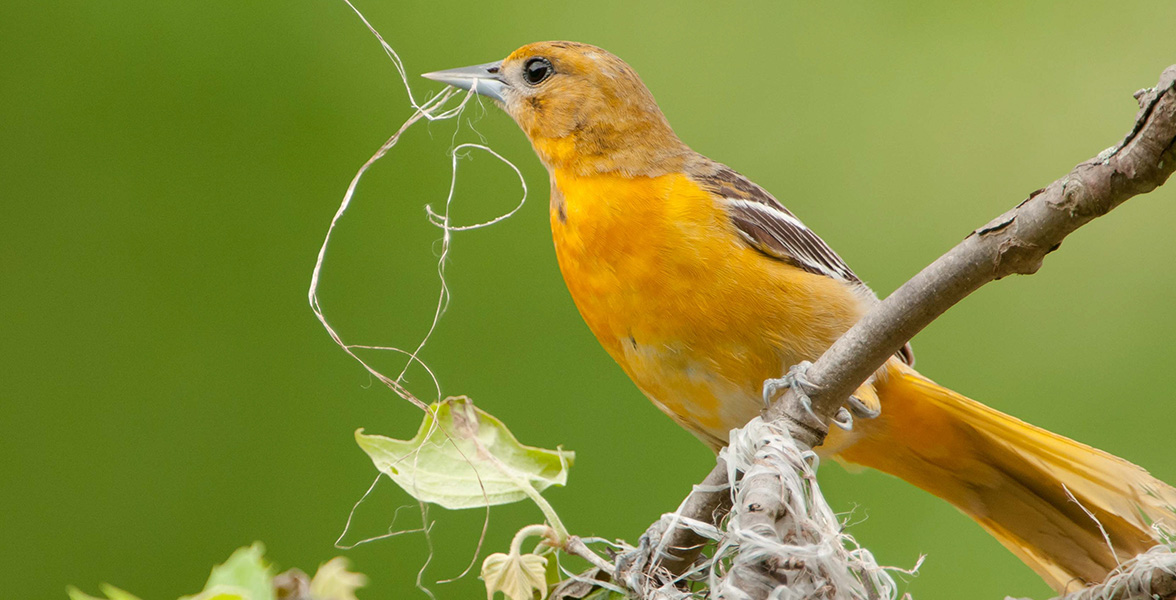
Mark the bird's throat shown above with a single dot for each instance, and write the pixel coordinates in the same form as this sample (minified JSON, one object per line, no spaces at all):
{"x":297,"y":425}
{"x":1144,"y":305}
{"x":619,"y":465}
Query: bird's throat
{"x":588,"y":152}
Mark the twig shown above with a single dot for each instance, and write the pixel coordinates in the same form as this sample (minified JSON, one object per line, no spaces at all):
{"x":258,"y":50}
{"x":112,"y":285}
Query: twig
{"x":1013,"y":243}
{"x":707,"y":502}
{"x":576,"y":547}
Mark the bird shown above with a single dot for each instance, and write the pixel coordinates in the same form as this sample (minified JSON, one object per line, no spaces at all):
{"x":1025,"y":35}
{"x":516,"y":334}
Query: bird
{"x":702,"y":286}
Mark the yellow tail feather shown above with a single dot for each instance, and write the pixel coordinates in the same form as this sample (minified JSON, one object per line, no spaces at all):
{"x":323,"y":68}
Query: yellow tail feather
{"x":1029,"y":488}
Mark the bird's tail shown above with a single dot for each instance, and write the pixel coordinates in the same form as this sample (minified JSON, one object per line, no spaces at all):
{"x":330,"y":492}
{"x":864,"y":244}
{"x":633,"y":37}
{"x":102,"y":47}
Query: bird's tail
{"x":1071,"y":512}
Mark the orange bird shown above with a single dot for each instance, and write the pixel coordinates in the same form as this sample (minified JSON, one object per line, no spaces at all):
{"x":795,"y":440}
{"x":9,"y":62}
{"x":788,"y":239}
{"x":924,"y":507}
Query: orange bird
{"x":701,"y":285}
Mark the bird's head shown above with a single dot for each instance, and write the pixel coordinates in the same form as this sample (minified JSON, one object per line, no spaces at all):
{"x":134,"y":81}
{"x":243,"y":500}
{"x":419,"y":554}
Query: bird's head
{"x":583,"y":109}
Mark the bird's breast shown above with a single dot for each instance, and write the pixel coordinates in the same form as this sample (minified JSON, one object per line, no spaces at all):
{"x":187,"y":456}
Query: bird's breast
{"x":696,"y":317}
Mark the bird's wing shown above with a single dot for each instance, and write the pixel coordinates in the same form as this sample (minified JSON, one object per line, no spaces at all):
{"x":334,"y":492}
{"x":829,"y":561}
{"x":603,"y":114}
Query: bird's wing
{"x":767,"y":226}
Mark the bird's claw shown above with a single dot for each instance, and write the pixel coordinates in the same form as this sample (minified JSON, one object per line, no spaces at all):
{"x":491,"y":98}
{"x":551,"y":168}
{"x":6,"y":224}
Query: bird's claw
{"x":795,"y":378}
{"x":860,"y":410}
{"x":843,"y":419}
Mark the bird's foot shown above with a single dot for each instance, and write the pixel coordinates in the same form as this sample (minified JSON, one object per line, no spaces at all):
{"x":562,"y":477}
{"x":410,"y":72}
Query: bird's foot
{"x":861,"y":410}
{"x":796,"y":379}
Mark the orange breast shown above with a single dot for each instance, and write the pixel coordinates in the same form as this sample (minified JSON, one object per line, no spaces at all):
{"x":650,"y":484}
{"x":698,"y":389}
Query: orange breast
{"x":696,"y":317}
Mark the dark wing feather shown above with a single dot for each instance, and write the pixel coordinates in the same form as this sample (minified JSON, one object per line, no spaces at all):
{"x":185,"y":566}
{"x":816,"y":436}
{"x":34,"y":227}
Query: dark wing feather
{"x":770,"y":227}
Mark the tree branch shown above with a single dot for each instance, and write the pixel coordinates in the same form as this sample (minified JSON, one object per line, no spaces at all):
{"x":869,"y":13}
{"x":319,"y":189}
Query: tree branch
{"x":1013,"y":243}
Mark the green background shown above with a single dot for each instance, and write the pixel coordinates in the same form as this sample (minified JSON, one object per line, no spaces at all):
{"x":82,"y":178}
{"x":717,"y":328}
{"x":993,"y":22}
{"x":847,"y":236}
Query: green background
{"x":168,"y":169}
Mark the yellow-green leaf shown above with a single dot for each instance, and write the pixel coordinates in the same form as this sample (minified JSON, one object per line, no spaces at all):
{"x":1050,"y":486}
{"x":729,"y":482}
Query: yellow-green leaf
{"x":222,"y":592}
{"x":442,"y":464}
{"x":245,"y":575}
{"x":517,"y":576}
{"x":333,"y":581}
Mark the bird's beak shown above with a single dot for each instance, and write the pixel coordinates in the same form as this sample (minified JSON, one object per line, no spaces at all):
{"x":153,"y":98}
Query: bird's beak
{"x":483,"y":79}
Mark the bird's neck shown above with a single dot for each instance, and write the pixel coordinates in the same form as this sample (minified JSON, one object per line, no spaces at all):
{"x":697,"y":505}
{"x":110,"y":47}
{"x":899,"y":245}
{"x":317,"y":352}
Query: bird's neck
{"x":647,"y":149}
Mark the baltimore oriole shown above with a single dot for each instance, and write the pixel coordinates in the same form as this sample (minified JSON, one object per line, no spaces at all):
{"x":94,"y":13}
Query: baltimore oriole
{"x":702,"y":286}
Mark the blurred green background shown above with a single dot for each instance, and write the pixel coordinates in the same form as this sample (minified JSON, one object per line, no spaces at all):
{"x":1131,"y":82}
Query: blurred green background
{"x":168,"y":170}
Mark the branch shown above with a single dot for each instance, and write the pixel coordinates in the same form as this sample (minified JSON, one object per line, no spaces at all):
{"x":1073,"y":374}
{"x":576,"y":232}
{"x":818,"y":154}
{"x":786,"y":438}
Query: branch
{"x":782,"y":533}
{"x":1013,"y":243}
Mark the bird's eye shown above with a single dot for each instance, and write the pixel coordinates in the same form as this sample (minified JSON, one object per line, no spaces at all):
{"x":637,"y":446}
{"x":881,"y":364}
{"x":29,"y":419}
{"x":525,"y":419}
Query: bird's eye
{"x":536,"y":70}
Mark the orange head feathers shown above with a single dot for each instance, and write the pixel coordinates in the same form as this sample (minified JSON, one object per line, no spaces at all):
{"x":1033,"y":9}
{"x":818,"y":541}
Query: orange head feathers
{"x":584,"y":110}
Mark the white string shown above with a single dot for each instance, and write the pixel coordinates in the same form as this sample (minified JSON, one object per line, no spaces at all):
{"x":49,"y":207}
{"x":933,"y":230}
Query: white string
{"x":1101,"y":529}
{"x":399,"y":64}
{"x":432,"y":109}
{"x":312,"y":294}
{"x":390,"y":533}
{"x":824,"y":559}
{"x":442,"y":221}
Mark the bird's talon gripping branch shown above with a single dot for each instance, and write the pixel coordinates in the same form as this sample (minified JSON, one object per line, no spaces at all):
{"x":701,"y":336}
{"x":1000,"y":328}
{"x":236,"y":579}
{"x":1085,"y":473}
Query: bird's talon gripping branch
{"x":860,"y":410}
{"x":843,"y":419}
{"x":795,"y":378}
{"x":772,"y":387}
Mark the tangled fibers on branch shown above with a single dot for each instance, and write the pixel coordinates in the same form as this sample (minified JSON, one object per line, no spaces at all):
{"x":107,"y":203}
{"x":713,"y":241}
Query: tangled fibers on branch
{"x":782,"y":537}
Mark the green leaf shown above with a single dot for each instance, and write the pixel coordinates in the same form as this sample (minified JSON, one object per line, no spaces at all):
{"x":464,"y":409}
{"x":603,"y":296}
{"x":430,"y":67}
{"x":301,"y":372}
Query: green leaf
{"x":221,"y":592}
{"x":333,"y":581}
{"x":518,"y":576}
{"x":553,"y":575}
{"x":442,"y":464}
{"x":244,"y":576}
